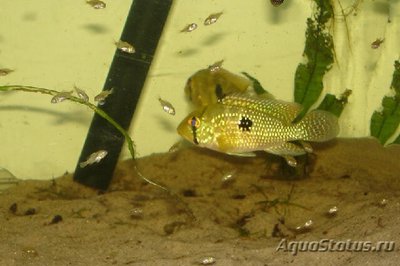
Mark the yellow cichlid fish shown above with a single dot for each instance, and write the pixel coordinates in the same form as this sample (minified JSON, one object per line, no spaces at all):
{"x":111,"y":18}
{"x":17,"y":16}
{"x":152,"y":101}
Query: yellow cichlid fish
{"x":240,"y":124}
{"x":208,"y":85}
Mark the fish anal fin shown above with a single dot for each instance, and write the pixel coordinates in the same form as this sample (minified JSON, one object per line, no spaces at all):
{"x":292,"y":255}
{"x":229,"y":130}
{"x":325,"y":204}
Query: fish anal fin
{"x":286,"y":148}
{"x":242,"y":154}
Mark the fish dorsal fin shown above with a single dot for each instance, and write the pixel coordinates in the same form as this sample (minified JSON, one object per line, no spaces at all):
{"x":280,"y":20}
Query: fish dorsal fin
{"x":281,"y":110}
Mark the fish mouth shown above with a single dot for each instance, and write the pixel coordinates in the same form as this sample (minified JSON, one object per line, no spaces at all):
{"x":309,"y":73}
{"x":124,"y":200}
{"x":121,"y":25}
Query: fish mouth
{"x":184,"y":130}
{"x":188,"y":131}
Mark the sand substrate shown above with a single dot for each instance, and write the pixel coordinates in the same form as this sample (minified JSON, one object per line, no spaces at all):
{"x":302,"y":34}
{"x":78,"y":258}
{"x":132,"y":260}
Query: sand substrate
{"x":236,"y":220}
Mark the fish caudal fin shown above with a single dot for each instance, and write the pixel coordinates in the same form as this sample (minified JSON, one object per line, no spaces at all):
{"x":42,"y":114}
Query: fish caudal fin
{"x":318,"y":126}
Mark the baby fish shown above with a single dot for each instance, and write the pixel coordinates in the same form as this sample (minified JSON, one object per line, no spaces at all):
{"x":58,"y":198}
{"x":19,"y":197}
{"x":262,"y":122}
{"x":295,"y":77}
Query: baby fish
{"x":101,"y":97}
{"x":81,"y":94}
{"x":95,"y":157}
{"x":216,"y":66}
{"x":207,"y":261}
{"x":60,"y":97}
{"x":125,"y":47}
{"x":332,"y":211}
{"x":228,"y":177}
{"x":211,"y":19}
{"x":383,"y":202}
{"x":190,"y":27}
{"x":307,"y":226}
{"x":96,"y":4}
{"x":5,"y":71}
{"x":241,"y":124}
{"x":167,"y":106}
{"x":377,"y":43}
{"x":277,"y":2}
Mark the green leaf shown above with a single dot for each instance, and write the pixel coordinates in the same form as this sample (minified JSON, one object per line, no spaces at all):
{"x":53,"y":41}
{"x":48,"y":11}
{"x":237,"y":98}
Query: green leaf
{"x":384,"y":123}
{"x":258,"y":88}
{"x":334,"y":105}
{"x":319,"y":55}
{"x":396,"y":78}
{"x":397,"y":140}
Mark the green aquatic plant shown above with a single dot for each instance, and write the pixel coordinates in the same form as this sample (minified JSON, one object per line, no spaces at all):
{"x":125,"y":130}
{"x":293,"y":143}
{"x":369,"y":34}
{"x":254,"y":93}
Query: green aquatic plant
{"x":385,"y":122}
{"x":319,"y":55}
{"x":100,"y":112}
{"x":96,"y":109}
{"x":333,"y":104}
{"x":77,"y":100}
{"x":330,"y":102}
{"x":258,"y":88}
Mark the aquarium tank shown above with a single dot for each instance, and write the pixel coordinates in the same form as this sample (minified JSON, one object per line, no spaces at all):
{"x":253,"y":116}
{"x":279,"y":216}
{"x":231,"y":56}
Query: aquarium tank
{"x":161,"y":132}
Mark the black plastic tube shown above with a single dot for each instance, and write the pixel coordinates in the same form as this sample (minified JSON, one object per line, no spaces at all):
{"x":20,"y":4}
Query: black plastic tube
{"x":127,"y":75}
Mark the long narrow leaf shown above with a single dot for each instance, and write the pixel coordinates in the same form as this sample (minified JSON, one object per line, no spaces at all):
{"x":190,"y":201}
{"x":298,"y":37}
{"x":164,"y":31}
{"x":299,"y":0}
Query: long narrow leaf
{"x":318,"y":53}
{"x":334,"y":105}
{"x":385,"y":122}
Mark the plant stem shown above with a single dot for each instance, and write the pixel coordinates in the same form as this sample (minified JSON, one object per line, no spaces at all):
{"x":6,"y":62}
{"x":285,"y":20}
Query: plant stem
{"x":80,"y":101}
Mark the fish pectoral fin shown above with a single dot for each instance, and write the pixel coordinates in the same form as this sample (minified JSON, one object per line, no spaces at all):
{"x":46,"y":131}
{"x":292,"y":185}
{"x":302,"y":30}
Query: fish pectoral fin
{"x":224,"y":145}
{"x":306,"y":146}
{"x":290,"y":160}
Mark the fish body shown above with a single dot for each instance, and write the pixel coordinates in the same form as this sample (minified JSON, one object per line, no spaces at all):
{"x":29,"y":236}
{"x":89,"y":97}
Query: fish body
{"x":5,"y":71}
{"x":241,"y":124}
{"x":167,"y":106}
{"x":209,"y":85}
{"x":377,"y":43}
{"x":102,"y":96}
{"x":62,"y":96}
{"x":96,"y":4}
{"x":211,"y":19}
{"x":125,"y":47}
{"x":216,"y":66}
{"x":189,"y":28}
{"x":277,"y":2}
{"x":81,"y":94}
{"x":95,"y":157}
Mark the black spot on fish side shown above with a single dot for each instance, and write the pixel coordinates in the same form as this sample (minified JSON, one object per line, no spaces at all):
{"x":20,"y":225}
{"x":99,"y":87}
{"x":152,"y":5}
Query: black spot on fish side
{"x":219,"y":92}
{"x":245,"y":124}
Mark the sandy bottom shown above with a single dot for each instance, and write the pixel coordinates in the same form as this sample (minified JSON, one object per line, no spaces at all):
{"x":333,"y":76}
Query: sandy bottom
{"x":229,"y":221}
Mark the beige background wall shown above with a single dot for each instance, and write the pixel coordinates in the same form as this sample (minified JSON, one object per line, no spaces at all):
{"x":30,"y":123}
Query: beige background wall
{"x":57,"y":44}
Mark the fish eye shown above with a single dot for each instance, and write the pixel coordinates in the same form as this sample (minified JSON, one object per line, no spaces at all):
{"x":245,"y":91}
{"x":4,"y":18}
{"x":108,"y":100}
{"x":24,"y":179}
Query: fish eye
{"x":194,"y":122}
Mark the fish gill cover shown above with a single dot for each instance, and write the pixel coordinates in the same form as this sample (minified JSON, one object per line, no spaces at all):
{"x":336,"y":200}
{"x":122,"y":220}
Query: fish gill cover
{"x":385,"y":122}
